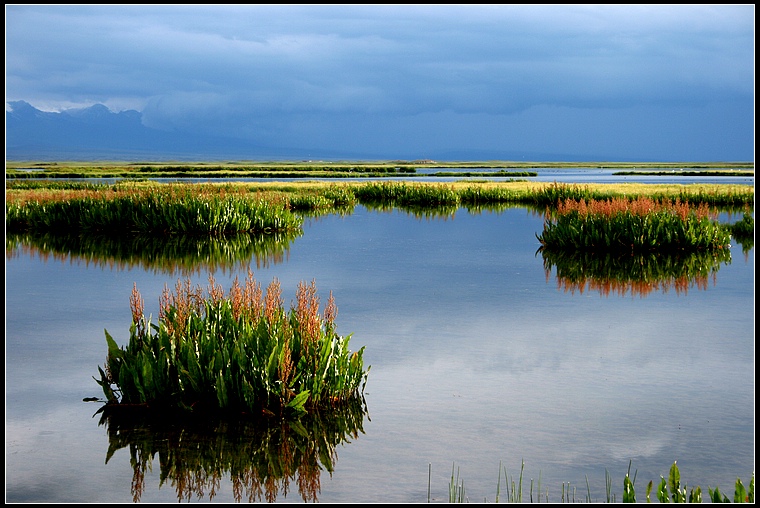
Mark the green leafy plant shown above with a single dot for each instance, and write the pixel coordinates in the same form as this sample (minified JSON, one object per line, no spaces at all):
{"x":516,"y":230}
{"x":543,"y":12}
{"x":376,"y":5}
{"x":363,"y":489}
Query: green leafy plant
{"x":669,"y":490}
{"x":741,"y":494}
{"x":159,"y":212}
{"x":635,"y":226}
{"x":241,"y":353}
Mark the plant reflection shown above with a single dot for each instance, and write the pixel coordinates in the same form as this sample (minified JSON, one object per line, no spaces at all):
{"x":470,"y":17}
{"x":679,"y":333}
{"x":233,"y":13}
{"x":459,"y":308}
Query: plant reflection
{"x":261,"y":456}
{"x":449,"y":211}
{"x":635,"y":274}
{"x":443,"y":212}
{"x":176,"y":253}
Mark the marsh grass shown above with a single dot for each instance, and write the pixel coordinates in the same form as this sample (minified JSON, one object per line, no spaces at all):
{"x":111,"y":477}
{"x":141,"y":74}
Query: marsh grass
{"x":744,"y":231}
{"x":206,"y":170}
{"x":330,"y":199}
{"x":238,"y":353}
{"x":225,"y":208}
{"x":641,"y":225}
{"x":403,"y":194}
{"x":473,"y":194}
{"x":324,"y":169}
{"x":153,"y":213}
{"x":724,"y":196}
{"x":668,"y":490}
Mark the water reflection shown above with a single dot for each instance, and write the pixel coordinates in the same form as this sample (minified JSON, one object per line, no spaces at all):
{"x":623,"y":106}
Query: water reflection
{"x":445,"y":212}
{"x":468,"y":368}
{"x":177,"y":253}
{"x":262,"y":458}
{"x":637,"y":275}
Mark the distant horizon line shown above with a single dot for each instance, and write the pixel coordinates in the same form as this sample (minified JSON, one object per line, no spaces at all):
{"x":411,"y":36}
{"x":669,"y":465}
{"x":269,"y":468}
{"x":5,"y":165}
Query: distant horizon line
{"x":369,"y":161}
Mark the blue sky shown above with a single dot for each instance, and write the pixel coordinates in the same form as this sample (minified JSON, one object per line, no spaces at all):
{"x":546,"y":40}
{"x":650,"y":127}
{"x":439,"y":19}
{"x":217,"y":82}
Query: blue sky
{"x":642,"y":82}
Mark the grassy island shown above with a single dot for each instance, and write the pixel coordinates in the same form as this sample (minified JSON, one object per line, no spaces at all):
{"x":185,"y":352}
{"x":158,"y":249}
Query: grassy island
{"x":240,"y":353}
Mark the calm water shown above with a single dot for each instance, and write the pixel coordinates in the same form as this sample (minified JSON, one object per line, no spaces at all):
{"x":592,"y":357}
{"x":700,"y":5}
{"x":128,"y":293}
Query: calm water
{"x":565,"y":175}
{"x":477,"y":358}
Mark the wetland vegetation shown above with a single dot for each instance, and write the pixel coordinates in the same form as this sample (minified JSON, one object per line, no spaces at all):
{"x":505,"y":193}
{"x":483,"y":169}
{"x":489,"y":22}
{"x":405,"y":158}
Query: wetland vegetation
{"x":244,"y":352}
{"x":642,"y":225}
{"x":290,"y":371}
{"x":670,"y":489}
{"x":603,"y":217}
{"x":228,"y":207}
{"x":344,"y":169}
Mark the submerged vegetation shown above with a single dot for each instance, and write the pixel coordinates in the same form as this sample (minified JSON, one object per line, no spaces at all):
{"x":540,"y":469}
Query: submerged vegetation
{"x":243,"y":353}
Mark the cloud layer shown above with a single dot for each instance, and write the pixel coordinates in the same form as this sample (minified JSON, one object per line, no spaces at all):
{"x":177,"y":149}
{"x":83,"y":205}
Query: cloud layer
{"x":641,"y":81}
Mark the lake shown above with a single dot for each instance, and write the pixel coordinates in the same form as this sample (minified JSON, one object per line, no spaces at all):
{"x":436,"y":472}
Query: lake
{"x":478,"y":356}
{"x":577,"y":175}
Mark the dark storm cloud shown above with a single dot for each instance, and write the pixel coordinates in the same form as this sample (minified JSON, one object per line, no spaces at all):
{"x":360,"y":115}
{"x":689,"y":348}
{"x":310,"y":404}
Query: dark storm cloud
{"x":264,"y":71}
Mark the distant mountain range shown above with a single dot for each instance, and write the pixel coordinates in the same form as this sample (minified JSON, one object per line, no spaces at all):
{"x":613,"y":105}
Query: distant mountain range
{"x":97,"y":133}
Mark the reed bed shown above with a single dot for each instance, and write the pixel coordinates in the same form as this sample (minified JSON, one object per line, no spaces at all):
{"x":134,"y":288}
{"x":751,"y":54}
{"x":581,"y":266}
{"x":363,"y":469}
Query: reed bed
{"x":403,"y":194}
{"x":332,"y":198}
{"x":473,"y":196}
{"x":634,"y":226}
{"x":745,"y":228}
{"x":31,"y":205}
{"x":206,"y":170}
{"x":669,"y":489}
{"x":476,"y":194}
{"x":716,"y":196}
{"x":48,"y":184}
{"x":239,"y":353}
{"x":346,"y":168}
{"x":156,"y":212}
{"x":166,"y":209}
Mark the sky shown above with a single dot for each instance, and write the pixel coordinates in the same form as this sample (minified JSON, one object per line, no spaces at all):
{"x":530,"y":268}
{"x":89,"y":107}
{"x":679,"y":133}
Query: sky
{"x":606,"y":82}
